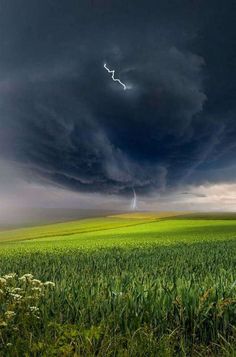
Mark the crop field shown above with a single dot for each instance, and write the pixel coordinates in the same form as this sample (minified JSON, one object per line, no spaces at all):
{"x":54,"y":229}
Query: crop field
{"x":158,"y":284}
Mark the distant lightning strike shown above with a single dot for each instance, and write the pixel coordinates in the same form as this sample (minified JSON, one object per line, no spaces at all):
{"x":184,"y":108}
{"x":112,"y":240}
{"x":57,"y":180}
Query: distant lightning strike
{"x":134,"y":201}
{"x":112,"y":76}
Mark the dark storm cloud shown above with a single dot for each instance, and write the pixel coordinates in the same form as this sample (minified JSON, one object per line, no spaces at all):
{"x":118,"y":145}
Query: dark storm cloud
{"x":67,"y":122}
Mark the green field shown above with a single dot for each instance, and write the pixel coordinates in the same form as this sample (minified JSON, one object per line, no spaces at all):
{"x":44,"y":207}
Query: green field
{"x":157,"y":284}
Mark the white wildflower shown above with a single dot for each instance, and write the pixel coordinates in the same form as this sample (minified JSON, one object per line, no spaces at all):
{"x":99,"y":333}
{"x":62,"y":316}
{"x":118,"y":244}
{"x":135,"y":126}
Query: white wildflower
{"x":26,"y":277}
{"x":36,"y":282}
{"x":49,"y":283}
{"x":3,"y":324}
{"x":3,"y":281}
{"x":15,"y":290}
{"x":9,"y":314}
{"x":34,"y":309}
{"x":16,"y":296}
{"x":9,"y":276}
{"x":29,"y":276}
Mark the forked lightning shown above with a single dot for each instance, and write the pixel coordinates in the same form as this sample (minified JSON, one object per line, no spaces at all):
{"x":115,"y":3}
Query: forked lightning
{"x":112,"y":76}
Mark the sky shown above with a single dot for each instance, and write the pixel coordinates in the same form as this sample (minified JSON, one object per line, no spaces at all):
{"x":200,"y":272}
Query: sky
{"x":72,"y":137}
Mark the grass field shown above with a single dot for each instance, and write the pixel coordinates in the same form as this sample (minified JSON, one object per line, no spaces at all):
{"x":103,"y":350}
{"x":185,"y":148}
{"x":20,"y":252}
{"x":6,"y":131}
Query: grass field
{"x":158,"y":284}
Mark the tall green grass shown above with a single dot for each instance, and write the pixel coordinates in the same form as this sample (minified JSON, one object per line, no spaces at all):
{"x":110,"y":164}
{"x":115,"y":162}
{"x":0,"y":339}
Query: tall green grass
{"x":156,"y":289}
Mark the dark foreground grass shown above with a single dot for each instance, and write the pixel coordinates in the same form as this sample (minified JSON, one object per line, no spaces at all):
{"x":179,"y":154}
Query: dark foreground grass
{"x":177,"y":300}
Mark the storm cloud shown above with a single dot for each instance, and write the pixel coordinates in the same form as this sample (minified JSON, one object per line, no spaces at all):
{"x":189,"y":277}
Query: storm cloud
{"x":64,"y":120}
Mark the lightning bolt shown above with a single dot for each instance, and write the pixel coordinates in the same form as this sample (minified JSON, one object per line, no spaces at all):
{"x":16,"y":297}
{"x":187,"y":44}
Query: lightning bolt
{"x":113,"y":76}
{"x":134,"y":201}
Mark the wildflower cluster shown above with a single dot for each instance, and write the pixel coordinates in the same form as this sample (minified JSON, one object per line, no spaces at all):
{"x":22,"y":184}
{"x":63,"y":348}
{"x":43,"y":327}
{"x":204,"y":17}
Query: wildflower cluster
{"x":19,"y":302}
